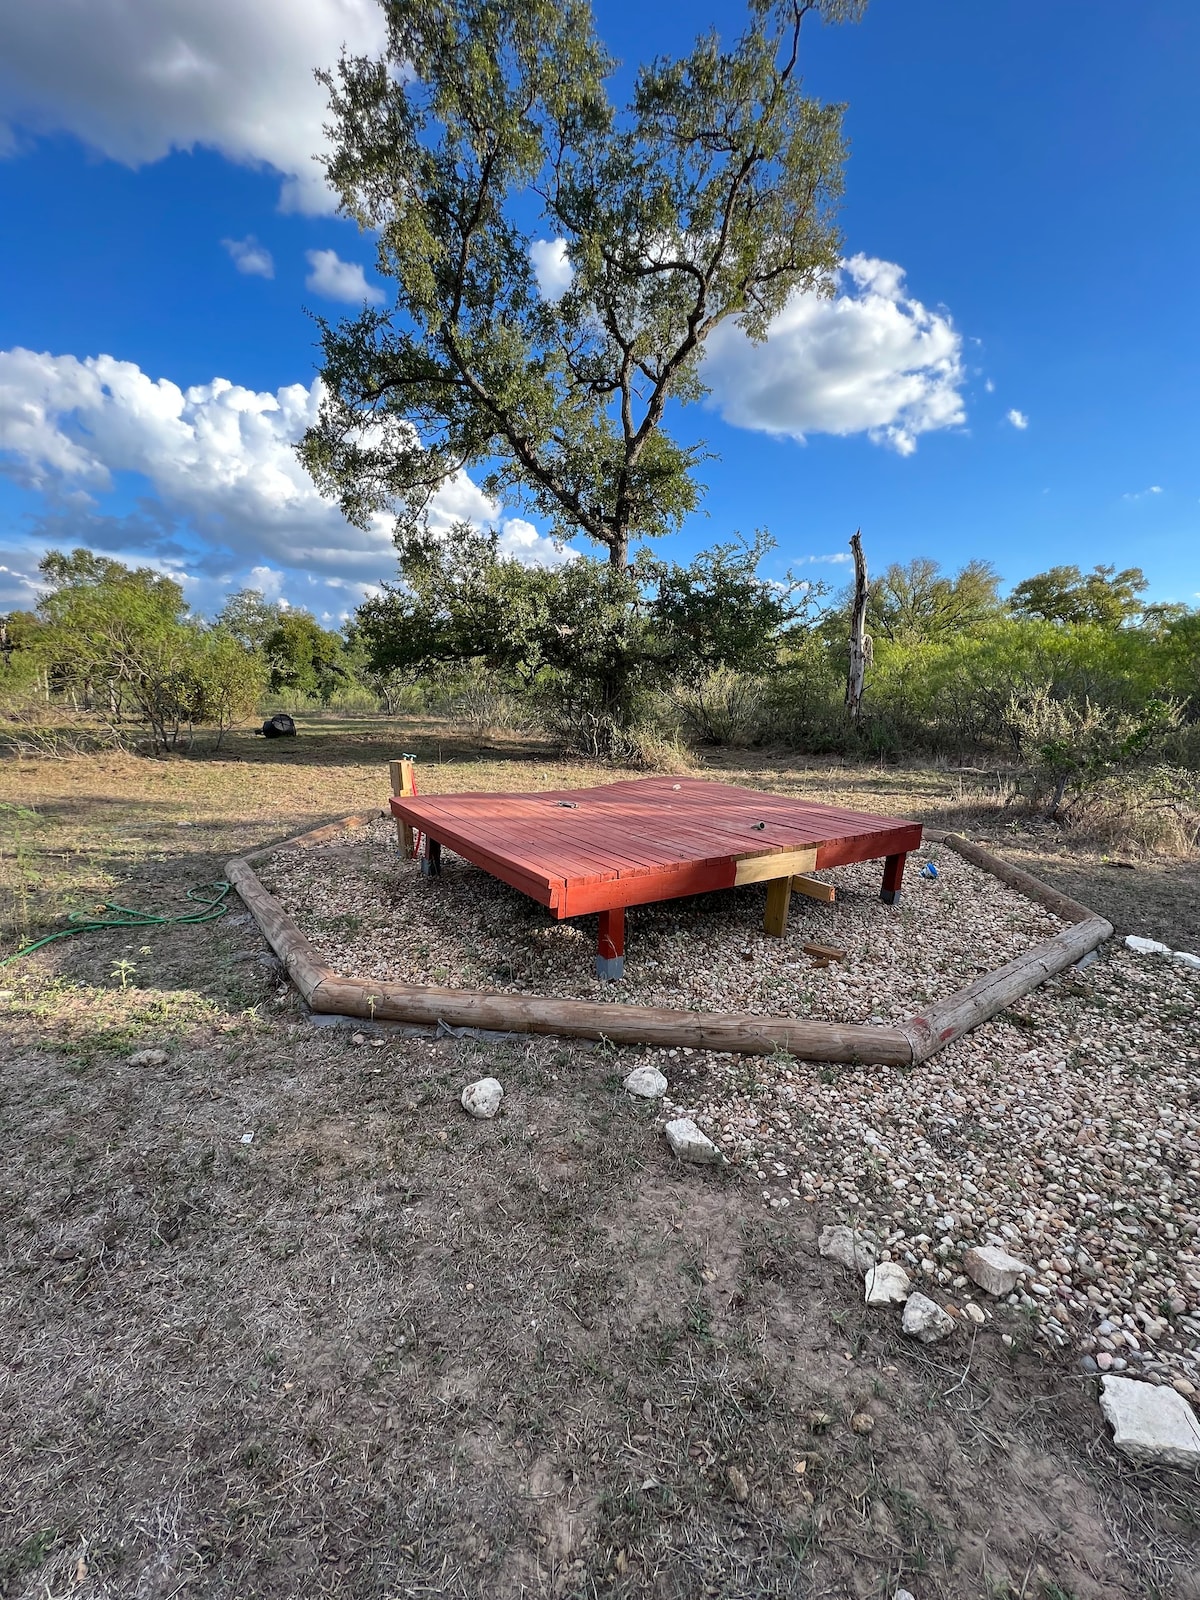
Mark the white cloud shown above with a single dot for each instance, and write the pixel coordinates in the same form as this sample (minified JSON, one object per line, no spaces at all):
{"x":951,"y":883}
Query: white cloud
{"x":551,"y":267}
{"x":989,"y":386}
{"x":250,"y":257}
{"x":336,"y":279}
{"x":219,"y":469}
{"x":834,"y":560}
{"x":136,"y":79}
{"x":870,"y":360}
{"x":1142,"y":494}
{"x":1018,"y":419}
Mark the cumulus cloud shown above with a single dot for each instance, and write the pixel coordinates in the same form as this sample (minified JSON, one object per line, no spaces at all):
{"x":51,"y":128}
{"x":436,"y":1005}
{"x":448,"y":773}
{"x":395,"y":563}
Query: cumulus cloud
{"x":136,"y":79}
{"x":1142,"y":494}
{"x":869,"y":360}
{"x":250,"y":257}
{"x":551,"y":267}
{"x":1018,"y":419}
{"x":336,"y":279}
{"x":223,"y":490}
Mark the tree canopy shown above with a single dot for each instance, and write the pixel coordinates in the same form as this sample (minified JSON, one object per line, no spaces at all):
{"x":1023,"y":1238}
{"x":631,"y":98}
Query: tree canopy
{"x":918,"y":601}
{"x":1065,"y":594}
{"x":487,"y":127}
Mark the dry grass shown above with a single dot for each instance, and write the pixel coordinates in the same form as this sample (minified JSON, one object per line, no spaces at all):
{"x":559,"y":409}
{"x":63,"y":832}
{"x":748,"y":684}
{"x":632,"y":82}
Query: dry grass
{"x":384,"y":1351}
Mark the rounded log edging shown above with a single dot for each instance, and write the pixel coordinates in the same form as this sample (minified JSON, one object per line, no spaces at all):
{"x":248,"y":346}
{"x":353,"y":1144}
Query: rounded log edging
{"x":1017,"y":878}
{"x":909,"y":1044}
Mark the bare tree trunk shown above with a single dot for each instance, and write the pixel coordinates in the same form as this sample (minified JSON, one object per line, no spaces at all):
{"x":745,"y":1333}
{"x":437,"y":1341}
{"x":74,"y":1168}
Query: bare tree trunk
{"x":859,"y":647}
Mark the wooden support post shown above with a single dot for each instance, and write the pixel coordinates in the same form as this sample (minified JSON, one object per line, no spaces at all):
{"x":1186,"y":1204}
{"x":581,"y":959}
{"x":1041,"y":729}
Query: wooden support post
{"x":401,"y":773}
{"x":893,"y":872}
{"x":431,"y":859}
{"x":610,"y":945}
{"x":779,"y":896}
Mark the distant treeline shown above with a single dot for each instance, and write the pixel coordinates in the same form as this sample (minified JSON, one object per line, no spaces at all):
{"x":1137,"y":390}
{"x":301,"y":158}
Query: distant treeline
{"x":1072,"y":679}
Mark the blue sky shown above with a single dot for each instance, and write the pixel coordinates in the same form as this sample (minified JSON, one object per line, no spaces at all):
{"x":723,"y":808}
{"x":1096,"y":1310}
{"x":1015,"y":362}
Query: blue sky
{"x":1010,"y":371}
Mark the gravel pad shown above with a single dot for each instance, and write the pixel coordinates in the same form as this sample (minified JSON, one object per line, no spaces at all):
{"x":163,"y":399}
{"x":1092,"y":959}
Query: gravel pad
{"x":374,"y":916}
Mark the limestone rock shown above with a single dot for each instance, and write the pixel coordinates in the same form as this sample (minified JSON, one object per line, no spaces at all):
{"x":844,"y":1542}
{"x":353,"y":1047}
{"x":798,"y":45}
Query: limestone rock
{"x":924,"y":1319}
{"x":648,"y":1082}
{"x":146,"y":1058}
{"x":1185,"y":958}
{"x":1146,"y":947}
{"x":887,"y":1284}
{"x":1151,"y":1423}
{"x":483,"y":1099}
{"x":689,"y":1144}
{"x":852,"y":1249}
{"x":976,"y":1313}
{"x":994,"y":1270}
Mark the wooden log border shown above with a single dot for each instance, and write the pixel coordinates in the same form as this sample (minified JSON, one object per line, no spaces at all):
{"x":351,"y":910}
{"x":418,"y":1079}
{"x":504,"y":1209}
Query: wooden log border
{"x":905,"y":1045}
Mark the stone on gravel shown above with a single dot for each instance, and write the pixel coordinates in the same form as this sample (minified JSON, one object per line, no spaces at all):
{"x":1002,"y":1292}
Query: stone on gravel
{"x":1146,"y":947}
{"x":887,"y":1284}
{"x":648,"y":1082}
{"x":994,"y":1270}
{"x":689,"y":1144}
{"x":1151,"y":1423}
{"x":483,"y":1099}
{"x":843,"y":1244}
{"x":976,"y":1313}
{"x":924,"y":1319}
{"x":146,"y":1058}
{"x":1185,"y":958}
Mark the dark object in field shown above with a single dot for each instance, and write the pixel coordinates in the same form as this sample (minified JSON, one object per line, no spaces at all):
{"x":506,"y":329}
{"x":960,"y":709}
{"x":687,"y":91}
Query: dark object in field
{"x":280,"y":726}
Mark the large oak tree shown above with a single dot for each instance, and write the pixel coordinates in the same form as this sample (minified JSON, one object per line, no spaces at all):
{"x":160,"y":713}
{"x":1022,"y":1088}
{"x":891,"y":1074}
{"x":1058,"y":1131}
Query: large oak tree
{"x":487,"y":127}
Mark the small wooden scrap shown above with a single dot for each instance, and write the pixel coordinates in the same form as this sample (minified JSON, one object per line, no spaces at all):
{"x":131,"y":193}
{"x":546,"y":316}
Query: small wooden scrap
{"x":826,"y":952}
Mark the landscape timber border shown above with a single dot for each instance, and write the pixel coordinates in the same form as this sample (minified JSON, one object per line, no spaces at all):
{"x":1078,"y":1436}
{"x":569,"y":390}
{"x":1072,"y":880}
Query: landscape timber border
{"x":906,"y":1044}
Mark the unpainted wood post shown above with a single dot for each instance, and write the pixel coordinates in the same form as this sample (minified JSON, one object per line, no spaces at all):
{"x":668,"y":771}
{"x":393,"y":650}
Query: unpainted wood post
{"x":401,"y":774}
{"x":893,"y":872}
{"x":779,"y":897}
{"x":610,"y":945}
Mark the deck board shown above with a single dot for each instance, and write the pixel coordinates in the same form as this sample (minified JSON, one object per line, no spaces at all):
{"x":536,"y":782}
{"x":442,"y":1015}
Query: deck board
{"x":642,"y":839}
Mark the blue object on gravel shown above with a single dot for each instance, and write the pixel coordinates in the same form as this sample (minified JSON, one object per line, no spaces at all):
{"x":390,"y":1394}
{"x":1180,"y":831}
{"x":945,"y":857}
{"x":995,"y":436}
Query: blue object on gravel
{"x":929,"y":870}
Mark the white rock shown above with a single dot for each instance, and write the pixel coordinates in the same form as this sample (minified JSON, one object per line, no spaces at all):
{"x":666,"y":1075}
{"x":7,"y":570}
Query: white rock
{"x":1185,"y":958}
{"x":887,"y":1284}
{"x":924,"y":1319}
{"x":483,"y":1099}
{"x":976,"y":1313}
{"x":1146,"y":947}
{"x":994,"y":1270}
{"x":689,"y":1144}
{"x":1151,"y":1423}
{"x":647,"y":1082}
{"x":904,"y":1594}
{"x":146,"y":1058}
{"x":843,"y":1244}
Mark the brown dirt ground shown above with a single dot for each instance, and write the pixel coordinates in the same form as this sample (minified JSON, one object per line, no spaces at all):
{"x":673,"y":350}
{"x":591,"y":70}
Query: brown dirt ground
{"x":384,"y":1351}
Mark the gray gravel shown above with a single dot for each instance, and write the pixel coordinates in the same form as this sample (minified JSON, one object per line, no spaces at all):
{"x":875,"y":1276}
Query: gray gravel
{"x":376,"y":917}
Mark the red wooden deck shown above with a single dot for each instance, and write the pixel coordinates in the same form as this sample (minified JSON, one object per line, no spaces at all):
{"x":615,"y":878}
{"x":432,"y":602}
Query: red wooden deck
{"x":649,"y":839}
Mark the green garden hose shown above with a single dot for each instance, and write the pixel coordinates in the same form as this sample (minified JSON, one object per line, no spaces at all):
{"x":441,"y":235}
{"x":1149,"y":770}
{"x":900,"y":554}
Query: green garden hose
{"x":117,"y":916}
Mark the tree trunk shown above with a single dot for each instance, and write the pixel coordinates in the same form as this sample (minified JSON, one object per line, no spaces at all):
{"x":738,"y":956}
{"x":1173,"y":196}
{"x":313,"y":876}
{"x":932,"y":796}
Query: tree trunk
{"x":856,"y":676}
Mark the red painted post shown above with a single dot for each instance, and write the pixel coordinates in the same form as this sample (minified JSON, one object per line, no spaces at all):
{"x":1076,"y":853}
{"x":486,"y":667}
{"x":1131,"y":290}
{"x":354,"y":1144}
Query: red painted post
{"x":610,"y":945}
{"x":893,"y":872}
